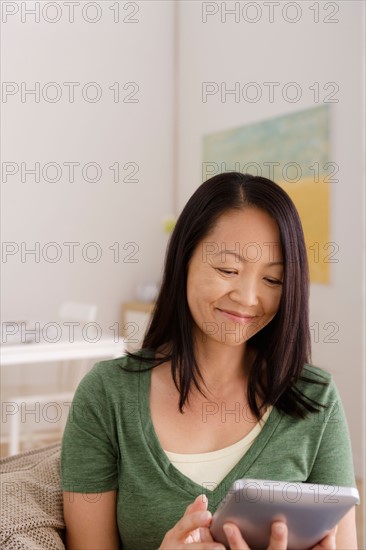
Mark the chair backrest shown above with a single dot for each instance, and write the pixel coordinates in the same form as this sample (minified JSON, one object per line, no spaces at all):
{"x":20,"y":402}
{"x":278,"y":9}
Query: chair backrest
{"x":76,"y":311}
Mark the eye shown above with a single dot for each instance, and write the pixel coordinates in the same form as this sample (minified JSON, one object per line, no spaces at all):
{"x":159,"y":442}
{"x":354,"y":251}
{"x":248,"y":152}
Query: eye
{"x":226,"y":271}
{"x":273,"y":281}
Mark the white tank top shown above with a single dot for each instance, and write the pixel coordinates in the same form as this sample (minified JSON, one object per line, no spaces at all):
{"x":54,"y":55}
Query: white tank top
{"x":214,"y":466}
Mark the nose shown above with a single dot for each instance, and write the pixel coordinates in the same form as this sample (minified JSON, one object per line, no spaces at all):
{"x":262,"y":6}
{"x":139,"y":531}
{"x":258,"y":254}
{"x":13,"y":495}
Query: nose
{"x":245,"y":291}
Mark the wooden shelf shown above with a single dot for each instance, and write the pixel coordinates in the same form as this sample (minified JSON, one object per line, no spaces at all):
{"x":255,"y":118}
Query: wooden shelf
{"x":138,"y":306}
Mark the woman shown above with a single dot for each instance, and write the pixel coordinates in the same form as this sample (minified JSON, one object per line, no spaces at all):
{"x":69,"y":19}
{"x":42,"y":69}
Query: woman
{"x":222,"y":388}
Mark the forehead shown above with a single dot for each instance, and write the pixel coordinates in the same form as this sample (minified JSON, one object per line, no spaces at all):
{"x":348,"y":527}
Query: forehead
{"x":249,"y":223}
{"x":249,"y":228}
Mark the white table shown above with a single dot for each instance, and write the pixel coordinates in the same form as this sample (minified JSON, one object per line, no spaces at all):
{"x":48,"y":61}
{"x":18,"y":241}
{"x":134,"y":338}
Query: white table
{"x":60,"y":351}
{"x":35,"y":353}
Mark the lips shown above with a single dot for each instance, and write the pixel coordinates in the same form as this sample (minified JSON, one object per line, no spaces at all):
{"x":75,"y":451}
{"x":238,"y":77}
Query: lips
{"x":237,"y":314}
{"x":237,"y":317}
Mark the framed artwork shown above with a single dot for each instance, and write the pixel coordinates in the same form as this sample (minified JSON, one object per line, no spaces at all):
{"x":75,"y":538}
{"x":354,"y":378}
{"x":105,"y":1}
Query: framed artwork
{"x":294,"y":151}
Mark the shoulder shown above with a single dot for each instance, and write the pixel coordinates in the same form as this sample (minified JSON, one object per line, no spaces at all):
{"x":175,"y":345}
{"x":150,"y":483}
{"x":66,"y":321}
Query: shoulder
{"x":316,"y":374}
{"x":317,"y":384}
{"x":112,"y":377}
{"x":120,"y":366}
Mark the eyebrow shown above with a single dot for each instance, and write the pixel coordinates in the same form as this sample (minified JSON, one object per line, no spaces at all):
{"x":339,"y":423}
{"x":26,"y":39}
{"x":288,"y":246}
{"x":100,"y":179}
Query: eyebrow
{"x":224,"y":252}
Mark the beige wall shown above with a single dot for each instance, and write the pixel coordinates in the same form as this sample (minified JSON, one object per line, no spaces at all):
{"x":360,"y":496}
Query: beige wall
{"x":103,"y":132}
{"x":212,"y":50}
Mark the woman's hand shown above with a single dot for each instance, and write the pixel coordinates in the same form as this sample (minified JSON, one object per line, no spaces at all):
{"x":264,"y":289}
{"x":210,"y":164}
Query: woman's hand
{"x":278,"y":539}
{"x":191,"y":532}
{"x":328,"y":542}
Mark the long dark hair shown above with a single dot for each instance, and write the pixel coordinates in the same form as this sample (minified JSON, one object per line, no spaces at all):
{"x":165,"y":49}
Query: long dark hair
{"x":283,"y":346}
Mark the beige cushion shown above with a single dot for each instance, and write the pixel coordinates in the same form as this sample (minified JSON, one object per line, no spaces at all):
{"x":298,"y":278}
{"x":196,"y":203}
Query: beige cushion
{"x":31,"y":501}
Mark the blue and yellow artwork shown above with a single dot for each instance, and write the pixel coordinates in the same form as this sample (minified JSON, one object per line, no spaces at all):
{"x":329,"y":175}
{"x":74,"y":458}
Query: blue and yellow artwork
{"x":294,"y":151}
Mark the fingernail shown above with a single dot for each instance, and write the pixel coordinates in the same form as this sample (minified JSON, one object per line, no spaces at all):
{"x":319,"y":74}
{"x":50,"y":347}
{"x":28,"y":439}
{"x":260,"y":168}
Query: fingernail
{"x":278,"y":529}
{"x":228,"y":530}
{"x":204,"y":499}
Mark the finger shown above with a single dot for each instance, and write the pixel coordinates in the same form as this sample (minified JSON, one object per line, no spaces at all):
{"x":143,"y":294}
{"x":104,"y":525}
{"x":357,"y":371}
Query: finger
{"x":195,"y":536}
{"x":234,"y":537}
{"x":278,"y":538}
{"x":205,"y":534}
{"x":207,"y":546}
{"x":190,"y":522}
{"x":328,"y":542}
{"x":199,"y":503}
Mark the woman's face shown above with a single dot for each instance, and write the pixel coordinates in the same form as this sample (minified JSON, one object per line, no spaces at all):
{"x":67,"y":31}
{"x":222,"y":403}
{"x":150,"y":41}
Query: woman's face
{"x":237,"y":268}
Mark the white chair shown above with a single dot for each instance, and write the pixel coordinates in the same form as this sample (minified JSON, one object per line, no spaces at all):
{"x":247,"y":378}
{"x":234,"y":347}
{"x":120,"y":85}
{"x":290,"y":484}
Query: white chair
{"x":34,"y":402}
{"x":69,"y":375}
{"x":76,"y":311}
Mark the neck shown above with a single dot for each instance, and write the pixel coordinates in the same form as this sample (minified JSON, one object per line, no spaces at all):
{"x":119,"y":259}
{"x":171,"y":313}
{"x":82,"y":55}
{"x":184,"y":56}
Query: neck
{"x":224,"y":368}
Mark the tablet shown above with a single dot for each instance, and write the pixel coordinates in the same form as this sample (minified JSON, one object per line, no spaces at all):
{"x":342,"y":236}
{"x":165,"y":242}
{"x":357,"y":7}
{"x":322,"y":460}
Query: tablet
{"x":309,"y":511}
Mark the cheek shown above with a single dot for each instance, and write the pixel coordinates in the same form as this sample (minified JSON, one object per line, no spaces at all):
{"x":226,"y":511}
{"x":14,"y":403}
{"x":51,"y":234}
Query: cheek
{"x":202,"y":292}
{"x":204,"y":284}
{"x":273,"y":302}
{"x":200,"y":296}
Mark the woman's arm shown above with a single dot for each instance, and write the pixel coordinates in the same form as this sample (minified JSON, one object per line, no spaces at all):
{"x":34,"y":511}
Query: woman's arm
{"x":91,"y":521}
{"x":346,"y":534}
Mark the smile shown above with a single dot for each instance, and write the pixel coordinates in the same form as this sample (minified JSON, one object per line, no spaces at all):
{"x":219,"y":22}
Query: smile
{"x":238,"y":318}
